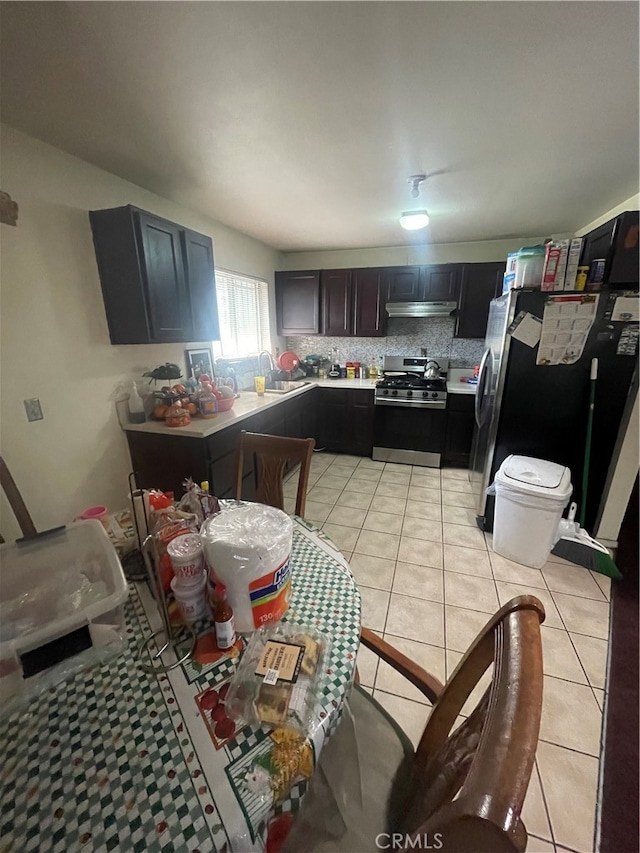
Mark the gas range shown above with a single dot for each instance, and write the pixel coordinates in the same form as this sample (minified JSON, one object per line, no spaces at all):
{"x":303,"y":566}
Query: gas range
{"x":404,"y":383}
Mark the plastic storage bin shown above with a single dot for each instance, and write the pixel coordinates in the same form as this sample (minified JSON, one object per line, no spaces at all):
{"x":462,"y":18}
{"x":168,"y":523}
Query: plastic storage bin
{"x":529,"y":267}
{"x":61,"y":597}
{"x":530,"y":497}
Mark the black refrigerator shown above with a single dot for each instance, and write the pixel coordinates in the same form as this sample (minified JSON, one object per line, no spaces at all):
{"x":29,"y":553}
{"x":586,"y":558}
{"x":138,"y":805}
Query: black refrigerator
{"x":528,"y":409}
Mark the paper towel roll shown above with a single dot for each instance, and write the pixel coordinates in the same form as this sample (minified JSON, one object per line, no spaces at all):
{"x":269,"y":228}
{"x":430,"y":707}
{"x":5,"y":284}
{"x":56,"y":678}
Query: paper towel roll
{"x":248,"y":549}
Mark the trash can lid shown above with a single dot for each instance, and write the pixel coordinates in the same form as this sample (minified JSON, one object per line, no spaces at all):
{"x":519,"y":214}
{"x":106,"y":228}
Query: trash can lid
{"x":526,"y":473}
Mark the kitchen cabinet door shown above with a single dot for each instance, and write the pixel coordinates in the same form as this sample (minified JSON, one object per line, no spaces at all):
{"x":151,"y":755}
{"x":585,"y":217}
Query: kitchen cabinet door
{"x":298,"y":302}
{"x":310,"y":414}
{"x":337,"y":302}
{"x":293,"y":418}
{"x":402,"y":284}
{"x":359,"y":427}
{"x":369,"y":315}
{"x":332,"y":419}
{"x":617,"y":242}
{"x":165,"y":461}
{"x":165,"y":280}
{"x":439,"y":283}
{"x":459,"y":429}
{"x":480,"y":284}
{"x":198,"y":251}
{"x":157,"y":278}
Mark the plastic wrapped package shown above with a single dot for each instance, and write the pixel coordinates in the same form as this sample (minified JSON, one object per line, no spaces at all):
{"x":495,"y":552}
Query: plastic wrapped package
{"x":279,"y":685}
{"x":61,"y":600}
{"x":248,"y":547}
{"x":280,"y":678}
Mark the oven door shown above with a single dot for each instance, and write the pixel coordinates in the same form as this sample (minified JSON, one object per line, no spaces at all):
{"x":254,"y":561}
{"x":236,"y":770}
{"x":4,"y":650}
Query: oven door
{"x":413,"y":436}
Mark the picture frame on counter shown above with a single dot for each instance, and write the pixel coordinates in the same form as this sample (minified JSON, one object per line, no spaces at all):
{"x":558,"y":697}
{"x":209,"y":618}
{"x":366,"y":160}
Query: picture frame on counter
{"x":199,"y":361}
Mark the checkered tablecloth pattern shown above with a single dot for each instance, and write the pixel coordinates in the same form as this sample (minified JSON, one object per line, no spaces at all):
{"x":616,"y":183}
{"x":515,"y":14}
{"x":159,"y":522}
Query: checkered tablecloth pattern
{"x":114,"y":758}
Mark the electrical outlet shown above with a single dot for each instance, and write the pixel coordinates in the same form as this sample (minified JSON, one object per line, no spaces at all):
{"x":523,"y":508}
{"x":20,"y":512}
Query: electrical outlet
{"x":33,"y":409}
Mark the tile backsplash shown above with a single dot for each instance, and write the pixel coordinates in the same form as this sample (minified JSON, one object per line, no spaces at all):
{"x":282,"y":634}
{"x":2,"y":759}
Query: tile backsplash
{"x":405,"y":336}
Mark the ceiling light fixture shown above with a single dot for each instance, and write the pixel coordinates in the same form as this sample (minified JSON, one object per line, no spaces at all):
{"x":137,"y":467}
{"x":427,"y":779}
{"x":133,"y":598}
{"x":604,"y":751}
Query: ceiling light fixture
{"x":414,"y":220}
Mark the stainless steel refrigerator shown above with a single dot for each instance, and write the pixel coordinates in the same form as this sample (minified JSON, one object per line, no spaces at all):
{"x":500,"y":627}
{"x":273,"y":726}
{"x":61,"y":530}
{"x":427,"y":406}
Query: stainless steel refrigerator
{"x":541,"y":411}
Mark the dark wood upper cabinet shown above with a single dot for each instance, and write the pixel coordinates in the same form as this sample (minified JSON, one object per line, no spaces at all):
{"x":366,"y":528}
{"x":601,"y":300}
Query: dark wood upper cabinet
{"x":157,"y":278}
{"x":337,"y":302}
{"x":164,"y":279}
{"x":617,"y":242}
{"x":369,"y":315}
{"x":298,"y":302}
{"x":353,"y":302}
{"x":439,"y":283}
{"x":480,"y":283}
{"x":198,"y":251}
{"x":402,"y":284}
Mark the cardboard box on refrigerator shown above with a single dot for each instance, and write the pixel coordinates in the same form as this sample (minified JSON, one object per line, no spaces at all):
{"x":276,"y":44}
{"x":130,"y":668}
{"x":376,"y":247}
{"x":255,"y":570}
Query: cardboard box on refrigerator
{"x":573,"y":260}
{"x":555,"y":265}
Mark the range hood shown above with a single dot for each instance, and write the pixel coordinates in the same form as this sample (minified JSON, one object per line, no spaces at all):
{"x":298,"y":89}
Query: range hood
{"x":420,"y":309}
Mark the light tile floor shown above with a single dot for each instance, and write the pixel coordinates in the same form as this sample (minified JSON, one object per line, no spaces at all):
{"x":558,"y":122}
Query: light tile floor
{"x":429,"y":580}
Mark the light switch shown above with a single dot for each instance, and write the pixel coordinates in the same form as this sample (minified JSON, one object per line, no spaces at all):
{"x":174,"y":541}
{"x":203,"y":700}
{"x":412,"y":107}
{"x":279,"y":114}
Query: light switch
{"x":33,"y":409}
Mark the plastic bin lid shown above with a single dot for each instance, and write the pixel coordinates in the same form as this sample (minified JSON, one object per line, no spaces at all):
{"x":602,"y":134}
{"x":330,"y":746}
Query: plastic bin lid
{"x":528,"y":474}
{"x":57,"y":583}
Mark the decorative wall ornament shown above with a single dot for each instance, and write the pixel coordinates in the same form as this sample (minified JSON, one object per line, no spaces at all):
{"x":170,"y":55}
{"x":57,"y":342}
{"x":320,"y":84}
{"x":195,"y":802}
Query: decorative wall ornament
{"x":8,"y":209}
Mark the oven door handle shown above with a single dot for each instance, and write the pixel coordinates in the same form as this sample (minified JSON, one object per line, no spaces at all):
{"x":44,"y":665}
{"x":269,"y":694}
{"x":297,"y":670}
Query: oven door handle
{"x":482,"y":380}
{"x":393,"y":401}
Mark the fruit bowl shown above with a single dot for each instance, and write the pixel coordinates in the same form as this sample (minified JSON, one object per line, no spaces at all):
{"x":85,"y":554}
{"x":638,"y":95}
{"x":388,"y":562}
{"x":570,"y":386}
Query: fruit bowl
{"x":226,"y":404}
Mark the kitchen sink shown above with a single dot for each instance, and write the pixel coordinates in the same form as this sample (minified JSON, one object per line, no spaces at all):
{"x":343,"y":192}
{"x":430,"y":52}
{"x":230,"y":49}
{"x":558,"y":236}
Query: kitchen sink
{"x":285,"y":387}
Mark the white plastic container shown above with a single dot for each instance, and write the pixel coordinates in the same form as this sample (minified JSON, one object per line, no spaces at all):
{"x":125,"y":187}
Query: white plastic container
{"x":530,"y":497}
{"x":529,"y":267}
{"x":248,"y":547}
{"x":187,"y":557}
{"x":190,"y":598}
{"x":66,"y":581}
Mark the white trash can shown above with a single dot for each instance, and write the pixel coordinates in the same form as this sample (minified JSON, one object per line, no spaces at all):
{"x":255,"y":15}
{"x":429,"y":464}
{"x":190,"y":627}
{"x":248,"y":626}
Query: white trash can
{"x":530,"y":497}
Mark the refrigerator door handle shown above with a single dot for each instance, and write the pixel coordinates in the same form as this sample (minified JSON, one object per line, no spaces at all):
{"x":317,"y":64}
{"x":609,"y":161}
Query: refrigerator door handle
{"x":482,"y":378}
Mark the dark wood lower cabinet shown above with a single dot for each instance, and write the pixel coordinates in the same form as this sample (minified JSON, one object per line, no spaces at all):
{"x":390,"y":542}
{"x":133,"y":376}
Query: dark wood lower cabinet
{"x":459,"y":430}
{"x":164,"y":461}
{"x":340,"y":420}
{"x":345,"y":421}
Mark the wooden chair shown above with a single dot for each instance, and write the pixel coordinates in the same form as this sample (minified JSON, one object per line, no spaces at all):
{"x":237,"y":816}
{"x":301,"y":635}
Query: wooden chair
{"x":463,"y":788}
{"x":16,"y":503}
{"x":272,"y":454}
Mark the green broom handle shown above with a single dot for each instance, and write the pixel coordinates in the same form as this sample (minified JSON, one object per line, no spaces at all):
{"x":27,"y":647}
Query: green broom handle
{"x":587,"y":448}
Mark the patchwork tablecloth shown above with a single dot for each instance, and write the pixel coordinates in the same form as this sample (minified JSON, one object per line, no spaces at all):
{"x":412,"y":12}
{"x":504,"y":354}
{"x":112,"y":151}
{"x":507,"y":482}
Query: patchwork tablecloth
{"x":114,"y":758}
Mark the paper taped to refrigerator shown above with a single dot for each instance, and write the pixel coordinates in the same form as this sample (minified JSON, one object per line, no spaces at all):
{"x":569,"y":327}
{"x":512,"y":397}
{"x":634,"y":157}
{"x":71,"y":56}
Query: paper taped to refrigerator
{"x":566,"y":323}
{"x":626,"y":308}
{"x":526,"y":328}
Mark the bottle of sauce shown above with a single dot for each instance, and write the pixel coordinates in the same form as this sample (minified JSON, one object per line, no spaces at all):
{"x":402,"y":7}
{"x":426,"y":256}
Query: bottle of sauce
{"x":223,"y":618}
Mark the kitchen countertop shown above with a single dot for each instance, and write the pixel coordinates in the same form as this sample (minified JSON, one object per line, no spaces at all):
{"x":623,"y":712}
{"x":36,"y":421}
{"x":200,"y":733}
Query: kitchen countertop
{"x":455,"y":386}
{"x":247,"y":404}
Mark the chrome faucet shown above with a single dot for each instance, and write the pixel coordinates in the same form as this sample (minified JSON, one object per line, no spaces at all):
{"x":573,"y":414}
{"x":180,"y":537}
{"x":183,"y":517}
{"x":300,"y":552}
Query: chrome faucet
{"x":271,"y":370}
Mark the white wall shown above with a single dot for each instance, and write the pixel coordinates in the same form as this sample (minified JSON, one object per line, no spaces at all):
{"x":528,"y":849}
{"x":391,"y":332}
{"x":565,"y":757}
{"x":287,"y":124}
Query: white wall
{"x":54,"y":337}
{"x":632,"y":203}
{"x":398,"y":256}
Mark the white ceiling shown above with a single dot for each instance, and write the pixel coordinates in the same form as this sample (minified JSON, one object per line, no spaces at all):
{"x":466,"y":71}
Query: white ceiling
{"x":298,"y":123}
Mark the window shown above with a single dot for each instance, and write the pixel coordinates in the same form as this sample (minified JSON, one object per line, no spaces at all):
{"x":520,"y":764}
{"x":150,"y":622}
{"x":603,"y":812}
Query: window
{"x":243,"y":306}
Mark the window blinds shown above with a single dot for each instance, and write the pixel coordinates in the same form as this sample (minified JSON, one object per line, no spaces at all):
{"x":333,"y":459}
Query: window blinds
{"x":243,"y":307}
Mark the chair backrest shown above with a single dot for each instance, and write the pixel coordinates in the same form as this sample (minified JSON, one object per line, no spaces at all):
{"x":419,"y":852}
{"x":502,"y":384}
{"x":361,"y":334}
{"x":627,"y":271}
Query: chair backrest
{"x":470,"y":784}
{"x":272,"y":454}
{"x":16,"y":503}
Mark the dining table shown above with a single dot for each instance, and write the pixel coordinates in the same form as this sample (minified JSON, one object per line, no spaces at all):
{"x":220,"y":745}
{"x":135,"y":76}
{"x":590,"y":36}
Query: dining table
{"x":117,"y":758}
